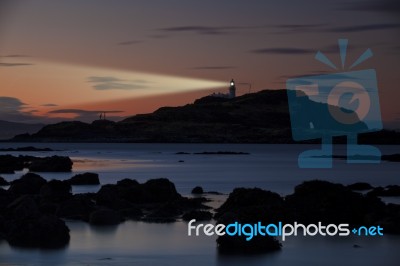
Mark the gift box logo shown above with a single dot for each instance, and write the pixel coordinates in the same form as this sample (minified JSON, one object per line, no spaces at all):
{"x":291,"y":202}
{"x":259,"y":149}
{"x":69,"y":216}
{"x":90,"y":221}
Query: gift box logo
{"x":337,"y":104}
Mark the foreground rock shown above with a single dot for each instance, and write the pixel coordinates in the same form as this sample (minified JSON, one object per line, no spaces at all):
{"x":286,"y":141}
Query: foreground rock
{"x":323,"y":201}
{"x":312,"y":202}
{"x":9,"y":164}
{"x":51,"y":164}
{"x":3,"y":182}
{"x":56,"y":191}
{"x":391,"y":157}
{"x":30,"y":210}
{"x":197,"y":215}
{"x":105,"y":217}
{"x":78,"y":207}
{"x":153,"y":201}
{"x":250,"y":206}
{"x":29,"y":183}
{"x":153,"y":191}
{"x":85,"y":179}
{"x":197,"y":190}
{"x":25,"y":226}
{"x":360,"y":186}
{"x":45,"y":231}
{"x":388,"y":191}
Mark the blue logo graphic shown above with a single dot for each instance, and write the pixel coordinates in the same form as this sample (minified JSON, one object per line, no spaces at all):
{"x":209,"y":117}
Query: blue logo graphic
{"x":337,"y":104}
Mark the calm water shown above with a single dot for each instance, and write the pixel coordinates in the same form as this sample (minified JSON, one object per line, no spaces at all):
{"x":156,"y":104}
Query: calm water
{"x":272,"y":167}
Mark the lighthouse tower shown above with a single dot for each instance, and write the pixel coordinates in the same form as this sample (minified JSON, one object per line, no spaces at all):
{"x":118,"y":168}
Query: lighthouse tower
{"x":232,"y":89}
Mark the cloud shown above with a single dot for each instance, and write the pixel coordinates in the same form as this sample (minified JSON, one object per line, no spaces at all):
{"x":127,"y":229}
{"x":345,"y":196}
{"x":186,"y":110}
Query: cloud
{"x":331,"y":49}
{"x":367,"y":27}
{"x":209,"y":30}
{"x":15,"y":64}
{"x":13,"y":109}
{"x":212,"y":67}
{"x":113,"y":83}
{"x":205,"y":30}
{"x":299,"y":28}
{"x":14,"y":56}
{"x":10,"y":103}
{"x":388,"y":6}
{"x":283,"y":51}
{"x":129,"y":43}
{"x":283,"y":78}
{"x":49,"y":105}
{"x":309,"y":74}
{"x":158,"y":36}
{"x":82,"y":112}
{"x":324,"y":27}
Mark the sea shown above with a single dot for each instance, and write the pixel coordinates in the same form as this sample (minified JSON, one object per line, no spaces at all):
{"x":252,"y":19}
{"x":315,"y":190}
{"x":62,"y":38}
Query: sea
{"x":267,"y":166}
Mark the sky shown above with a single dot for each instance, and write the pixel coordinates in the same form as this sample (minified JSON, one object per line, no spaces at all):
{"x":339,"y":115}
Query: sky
{"x":72,"y":59}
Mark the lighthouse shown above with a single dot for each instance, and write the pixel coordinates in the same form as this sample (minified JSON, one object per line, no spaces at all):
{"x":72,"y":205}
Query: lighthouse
{"x":230,"y":95}
{"x":232,"y":89}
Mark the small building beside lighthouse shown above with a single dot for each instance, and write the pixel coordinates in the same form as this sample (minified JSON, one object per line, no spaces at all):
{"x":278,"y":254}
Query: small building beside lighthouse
{"x":230,"y":95}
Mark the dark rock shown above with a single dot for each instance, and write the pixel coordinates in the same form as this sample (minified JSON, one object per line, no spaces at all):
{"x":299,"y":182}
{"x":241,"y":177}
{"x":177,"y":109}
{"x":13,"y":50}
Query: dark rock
{"x":197,"y":215}
{"x":120,"y":196}
{"x":78,"y":208}
{"x":376,"y":192}
{"x":253,"y":205}
{"x":56,"y":191}
{"x":390,"y":220}
{"x":24,"y":207}
{"x":3,"y":182}
{"x":164,"y":214}
{"x":246,"y":205}
{"x":197,"y":190}
{"x":214,"y":193}
{"x":159,"y":190}
{"x":153,"y":191}
{"x":48,"y":208}
{"x":128,"y":183}
{"x":392,"y":191}
{"x":105,"y":217}
{"x":315,"y":201}
{"x":24,"y":225}
{"x":360,"y":186}
{"x":51,"y":164}
{"x":2,"y":228}
{"x":6,"y":197}
{"x":389,"y":191}
{"x":391,"y":157}
{"x":9,"y":164}
{"x":46,"y":231}
{"x":85,"y":179}
{"x":131,"y":213}
{"x":29,"y":183}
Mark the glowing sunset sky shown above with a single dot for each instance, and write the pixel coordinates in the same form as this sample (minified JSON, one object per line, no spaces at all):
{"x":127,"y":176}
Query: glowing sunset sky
{"x":71,"y":59}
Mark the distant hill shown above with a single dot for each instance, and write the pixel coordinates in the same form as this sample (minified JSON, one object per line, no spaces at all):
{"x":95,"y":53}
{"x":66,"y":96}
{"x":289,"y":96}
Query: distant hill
{"x":261,"y":117}
{"x":10,"y":129}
